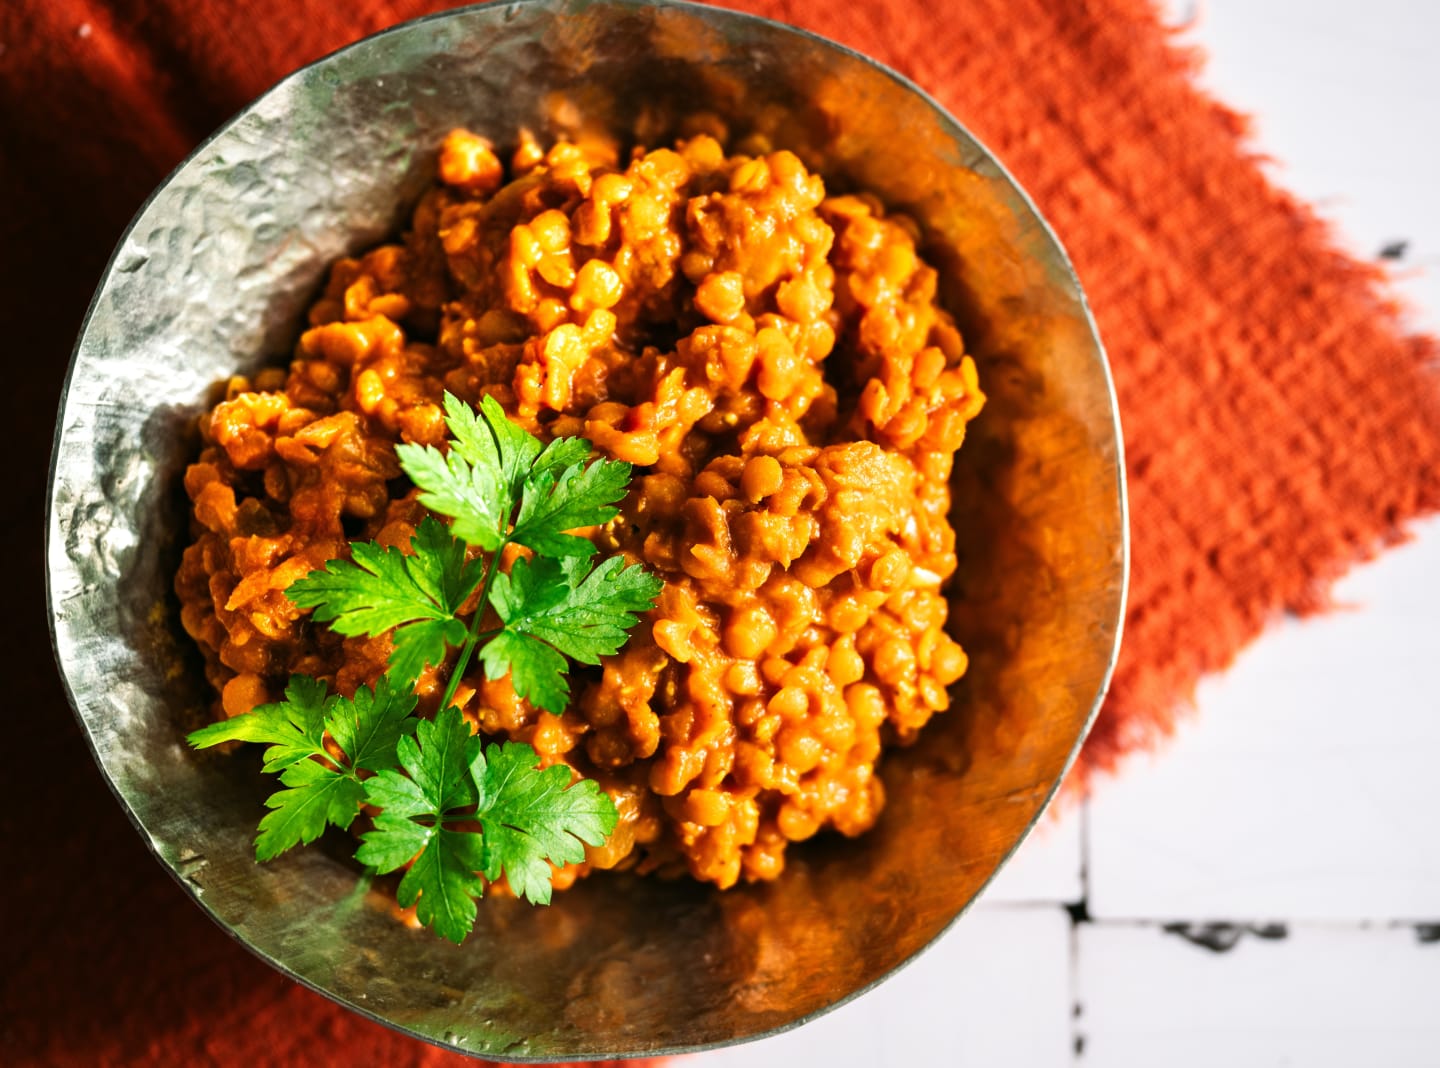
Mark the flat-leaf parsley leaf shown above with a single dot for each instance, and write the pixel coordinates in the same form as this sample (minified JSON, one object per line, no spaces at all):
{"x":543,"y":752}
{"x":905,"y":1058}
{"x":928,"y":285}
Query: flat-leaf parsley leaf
{"x":322,"y":787}
{"x":550,"y":607}
{"x":411,"y":825}
{"x":529,"y":818}
{"x":418,"y":594}
{"x":534,"y":818}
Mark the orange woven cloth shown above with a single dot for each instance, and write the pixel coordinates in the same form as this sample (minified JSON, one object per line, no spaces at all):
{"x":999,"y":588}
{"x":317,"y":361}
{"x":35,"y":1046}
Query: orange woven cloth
{"x":1278,"y":422}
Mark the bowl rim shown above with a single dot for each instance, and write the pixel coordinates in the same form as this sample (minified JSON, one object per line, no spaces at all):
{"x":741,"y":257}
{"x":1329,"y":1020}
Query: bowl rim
{"x":950,"y":124}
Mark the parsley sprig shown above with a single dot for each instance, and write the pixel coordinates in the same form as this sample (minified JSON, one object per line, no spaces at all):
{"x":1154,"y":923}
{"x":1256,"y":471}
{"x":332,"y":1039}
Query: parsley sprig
{"x":454,"y":812}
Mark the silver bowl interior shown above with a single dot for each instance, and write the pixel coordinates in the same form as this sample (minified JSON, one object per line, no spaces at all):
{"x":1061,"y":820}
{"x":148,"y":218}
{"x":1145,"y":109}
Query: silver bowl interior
{"x":212,"y":279}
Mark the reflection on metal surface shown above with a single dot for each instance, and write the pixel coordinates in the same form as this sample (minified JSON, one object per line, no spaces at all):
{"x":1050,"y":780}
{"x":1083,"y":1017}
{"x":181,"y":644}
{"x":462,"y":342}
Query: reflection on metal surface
{"x":211,"y":281}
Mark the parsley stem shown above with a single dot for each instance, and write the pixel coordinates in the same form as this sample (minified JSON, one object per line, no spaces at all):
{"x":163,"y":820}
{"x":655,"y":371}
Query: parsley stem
{"x":474,"y":634}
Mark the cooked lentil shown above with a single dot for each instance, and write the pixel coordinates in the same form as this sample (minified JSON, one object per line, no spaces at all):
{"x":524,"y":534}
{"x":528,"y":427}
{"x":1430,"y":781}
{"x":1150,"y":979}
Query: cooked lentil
{"x":775,"y":364}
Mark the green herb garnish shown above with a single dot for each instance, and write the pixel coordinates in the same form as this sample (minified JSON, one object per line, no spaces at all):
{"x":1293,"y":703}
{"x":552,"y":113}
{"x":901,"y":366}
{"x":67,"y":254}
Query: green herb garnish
{"x":320,"y":792}
{"x":496,"y":485}
{"x":529,"y":818}
{"x":418,"y":595}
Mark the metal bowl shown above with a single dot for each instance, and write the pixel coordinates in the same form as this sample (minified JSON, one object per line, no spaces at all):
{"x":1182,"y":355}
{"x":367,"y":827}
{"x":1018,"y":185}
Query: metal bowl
{"x":211,"y":280}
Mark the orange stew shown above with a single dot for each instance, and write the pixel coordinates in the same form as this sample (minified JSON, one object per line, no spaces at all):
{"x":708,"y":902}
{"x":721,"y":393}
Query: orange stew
{"x":774,"y":363}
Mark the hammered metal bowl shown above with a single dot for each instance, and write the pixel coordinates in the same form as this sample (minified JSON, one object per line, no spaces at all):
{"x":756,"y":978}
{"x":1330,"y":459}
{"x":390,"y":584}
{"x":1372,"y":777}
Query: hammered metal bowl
{"x":211,"y":280}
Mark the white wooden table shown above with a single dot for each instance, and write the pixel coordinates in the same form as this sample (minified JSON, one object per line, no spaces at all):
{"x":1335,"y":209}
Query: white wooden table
{"x":1298,"y":807}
